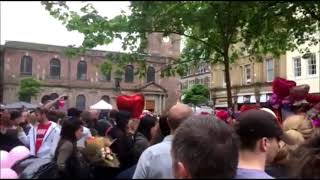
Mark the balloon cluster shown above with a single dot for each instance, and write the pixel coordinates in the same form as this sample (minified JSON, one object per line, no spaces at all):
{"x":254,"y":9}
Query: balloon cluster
{"x":286,"y":94}
{"x":7,"y":160}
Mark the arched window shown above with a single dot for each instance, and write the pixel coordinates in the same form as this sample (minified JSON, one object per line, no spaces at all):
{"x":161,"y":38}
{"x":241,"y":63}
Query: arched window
{"x":106,"y":98}
{"x":26,"y":65}
{"x":81,"y":102}
{"x":55,"y":68}
{"x":82,"y":70}
{"x":45,"y":99}
{"x":151,"y":72}
{"x":54,"y":96}
{"x":129,"y":74}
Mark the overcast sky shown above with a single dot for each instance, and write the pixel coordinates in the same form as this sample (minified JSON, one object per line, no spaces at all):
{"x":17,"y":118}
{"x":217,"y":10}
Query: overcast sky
{"x":30,"y":22}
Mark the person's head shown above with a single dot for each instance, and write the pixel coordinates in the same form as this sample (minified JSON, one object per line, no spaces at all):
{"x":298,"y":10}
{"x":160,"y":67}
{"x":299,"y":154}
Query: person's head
{"x":86,"y":118}
{"x":24,"y":116}
{"x":260,"y":134}
{"x":5,"y":121}
{"x":204,"y":147}
{"x":122,"y":120}
{"x":42,"y":115}
{"x":72,"y":129}
{"x":74,"y":112}
{"x":62,"y":116}
{"x":163,"y":125}
{"x":94,"y":114}
{"x":102,"y":127}
{"x":147,"y":126}
{"x":306,"y":165}
{"x":177,"y":114}
{"x":16,"y":117}
{"x":32,"y":118}
{"x":52,"y":116}
{"x":299,"y":123}
{"x":103,"y":114}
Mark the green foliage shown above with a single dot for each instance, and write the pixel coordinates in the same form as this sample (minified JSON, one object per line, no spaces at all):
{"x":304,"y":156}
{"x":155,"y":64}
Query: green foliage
{"x":196,"y":95}
{"x":215,"y":31}
{"x":28,"y":88}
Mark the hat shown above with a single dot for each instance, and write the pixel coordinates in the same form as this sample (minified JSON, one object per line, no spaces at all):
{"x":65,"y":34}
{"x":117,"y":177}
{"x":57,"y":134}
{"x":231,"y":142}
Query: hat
{"x":247,"y":107}
{"x":281,"y":87}
{"x":133,"y":104}
{"x":223,"y":115}
{"x":260,"y":123}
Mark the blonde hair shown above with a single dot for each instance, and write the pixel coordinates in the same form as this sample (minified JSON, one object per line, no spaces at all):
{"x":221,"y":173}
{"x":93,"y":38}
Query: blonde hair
{"x":299,"y":129}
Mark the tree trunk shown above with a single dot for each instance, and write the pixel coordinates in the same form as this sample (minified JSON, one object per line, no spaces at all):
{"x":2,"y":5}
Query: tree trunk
{"x":228,"y":82}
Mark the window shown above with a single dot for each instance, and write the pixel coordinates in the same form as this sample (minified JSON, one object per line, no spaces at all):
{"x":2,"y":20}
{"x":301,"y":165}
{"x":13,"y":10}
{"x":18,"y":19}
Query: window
{"x":270,"y":70}
{"x":247,"y":74}
{"x":106,"y":77}
{"x":82,"y":70}
{"x":297,"y":66}
{"x":55,"y":68}
{"x":81,"y":102}
{"x":106,"y":98}
{"x":151,"y":74}
{"x":129,"y":74}
{"x":26,"y":65}
{"x":312,"y":64}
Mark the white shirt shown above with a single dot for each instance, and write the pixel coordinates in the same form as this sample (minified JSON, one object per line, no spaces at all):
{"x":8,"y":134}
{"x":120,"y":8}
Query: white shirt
{"x":156,"y":162}
{"x":86,"y":134}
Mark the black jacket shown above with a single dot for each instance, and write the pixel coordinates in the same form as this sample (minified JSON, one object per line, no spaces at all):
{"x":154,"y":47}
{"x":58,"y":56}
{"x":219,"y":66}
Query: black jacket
{"x":8,"y":141}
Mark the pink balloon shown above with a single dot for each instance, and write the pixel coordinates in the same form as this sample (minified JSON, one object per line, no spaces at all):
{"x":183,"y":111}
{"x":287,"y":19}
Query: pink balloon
{"x":4,"y":159}
{"x":18,"y":153}
{"x":8,"y":173}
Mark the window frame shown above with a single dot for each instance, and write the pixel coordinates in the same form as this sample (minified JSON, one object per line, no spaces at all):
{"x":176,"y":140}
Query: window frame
{"x":314,"y":58}
{"x":129,"y":76}
{"x":57,"y":66}
{"x":24,"y":65}
{"x":268,"y":69}
{"x":296,"y":68}
{"x":79,"y":77}
{"x":154,"y":75}
{"x":246,"y":74}
{"x":84,"y":102}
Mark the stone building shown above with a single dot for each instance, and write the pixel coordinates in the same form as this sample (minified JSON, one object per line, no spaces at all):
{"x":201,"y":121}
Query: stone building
{"x":197,"y":75}
{"x":80,"y":77}
{"x":251,"y":81}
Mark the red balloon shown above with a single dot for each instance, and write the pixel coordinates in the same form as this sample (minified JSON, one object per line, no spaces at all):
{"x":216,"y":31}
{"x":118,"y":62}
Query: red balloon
{"x":134,"y":104}
{"x":281,"y":87}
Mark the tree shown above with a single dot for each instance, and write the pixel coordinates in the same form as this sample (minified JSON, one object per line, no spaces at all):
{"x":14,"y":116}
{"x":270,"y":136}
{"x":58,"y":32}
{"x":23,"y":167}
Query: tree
{"x":28,"y":88}
{"x":196,"y":95}
{"x":216,"y":32}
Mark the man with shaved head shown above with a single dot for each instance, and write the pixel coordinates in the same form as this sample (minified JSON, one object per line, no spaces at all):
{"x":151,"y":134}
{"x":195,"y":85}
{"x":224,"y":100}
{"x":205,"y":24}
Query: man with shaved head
{"x":155,"y":162}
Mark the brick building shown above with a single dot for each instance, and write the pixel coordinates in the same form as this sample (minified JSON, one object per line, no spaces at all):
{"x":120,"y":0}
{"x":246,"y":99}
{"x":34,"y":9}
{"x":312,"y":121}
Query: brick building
{"x":80,"y":77}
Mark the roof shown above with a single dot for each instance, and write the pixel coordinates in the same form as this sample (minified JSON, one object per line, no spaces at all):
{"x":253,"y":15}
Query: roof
{"x":152,"y":83}
{"x":60,"y":49}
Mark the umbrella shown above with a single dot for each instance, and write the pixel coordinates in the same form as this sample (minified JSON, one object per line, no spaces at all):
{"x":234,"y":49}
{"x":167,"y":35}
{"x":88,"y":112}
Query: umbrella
{"x":20,"y":104}
{"x":101,"y":105}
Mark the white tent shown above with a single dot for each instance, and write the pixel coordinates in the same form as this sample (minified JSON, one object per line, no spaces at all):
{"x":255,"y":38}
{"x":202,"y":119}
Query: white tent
{"x":204,"y":109}
{"x":101,"y":105}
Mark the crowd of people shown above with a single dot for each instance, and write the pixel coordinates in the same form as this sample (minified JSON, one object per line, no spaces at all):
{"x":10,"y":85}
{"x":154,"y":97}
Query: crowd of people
{"x":253,"y":144}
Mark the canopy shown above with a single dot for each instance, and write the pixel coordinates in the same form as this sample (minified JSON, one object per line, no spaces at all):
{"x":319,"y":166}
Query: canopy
{"x":21,"y":104}
{"x":101,"y":105}
{"x":204,"y":110}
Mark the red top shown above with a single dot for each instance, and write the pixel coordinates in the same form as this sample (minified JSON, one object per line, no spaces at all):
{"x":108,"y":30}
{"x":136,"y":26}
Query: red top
{"x":41,"y":132}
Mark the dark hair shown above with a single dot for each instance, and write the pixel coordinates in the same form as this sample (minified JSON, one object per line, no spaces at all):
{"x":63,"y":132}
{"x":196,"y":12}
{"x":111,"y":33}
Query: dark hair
{"x":69,"y":127}
{"x":164,"y":127}
{"x":15,"y":114}
{"x":103,"y":114}
{"x":52,"y":116}
{"x":306,"y":159}
{"x":42,"y":111}
{"x":74,"y":112}
{"x":122,"y":119}
{"x":146,"y":123}
{"x":207,"y":147}
{"x":113,"y":113}
{"x":247,"y":142}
